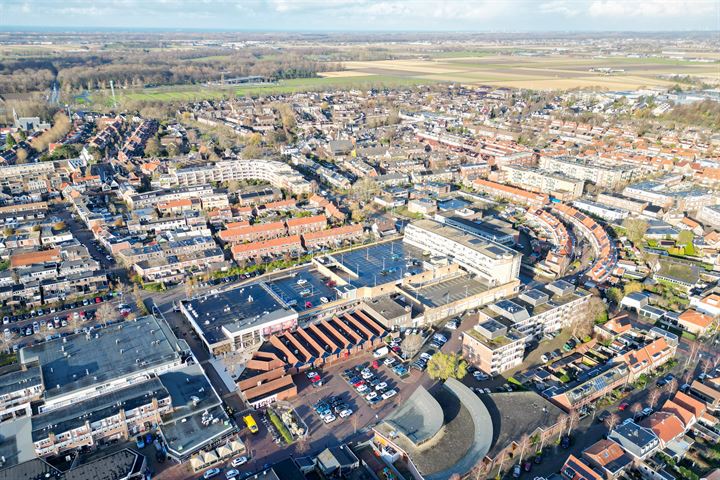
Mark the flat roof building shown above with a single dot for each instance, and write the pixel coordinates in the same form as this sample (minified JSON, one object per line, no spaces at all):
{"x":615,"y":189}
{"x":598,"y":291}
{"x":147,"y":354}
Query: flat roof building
{"x":493,"y":263}
{"x":231,"y":320}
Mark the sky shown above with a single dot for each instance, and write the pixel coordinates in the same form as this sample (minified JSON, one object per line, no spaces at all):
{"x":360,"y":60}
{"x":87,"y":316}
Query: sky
{"x":368,"y":15}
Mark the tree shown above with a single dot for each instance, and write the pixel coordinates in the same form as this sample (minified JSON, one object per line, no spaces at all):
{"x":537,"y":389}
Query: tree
{"x":172,"y":149}
{"x":365,"y":189}
{"x":671,"y":386}
{"x":635,"y":229}
{"x":152,"y":147}
{"x":59,"y":226}
{"x":22,"y":155}
{"x":685,"y":237}
{"x":612,"y":420}
{"x":653,"y":397}
{"x":411,"y":345}
{"x":597,"y":311}
{"x":632,"y":287}
{"x":9,"y":141}
{"x":447,"y":365}
{"x":573,"y":419}
{"x":106,"y":313}
{"x":523,"y":445}
{"x":635,"y":409}
{"x":615,"y":295}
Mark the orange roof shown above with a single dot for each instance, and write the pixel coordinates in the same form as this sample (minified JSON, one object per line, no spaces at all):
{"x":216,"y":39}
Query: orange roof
{"x":694,"y":317}
{"x":31,"y":258}
{"x":713,"y":300}
{"x":251,"y":229}
{"x":619,"y":324}
{"x":150,"y":166}
{"x":665,"y":425}
{"x":692,"y":404}
{"x":690,"y":222}
{"x":535,"y":197}
{"x":296,"y":222}
{"x":334,"y":232}
{"x":183,"y":202}
{"x":685,"y":415}
{"x":712,"y":237}
{"x":275,"y":242}
{"x":582,"y":470}
{"x":231,"y":225}
{"x":280,"y":204}
{"x":604,"y":451}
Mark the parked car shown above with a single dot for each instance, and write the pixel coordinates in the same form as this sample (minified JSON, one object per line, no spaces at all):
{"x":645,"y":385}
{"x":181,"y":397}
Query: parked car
{"x":239,"y":461}
{"x":346,"y":413}
{"x":389,"y":394}
{"x":211,"y":473}
{"x":623,"y":406}
{"x":232,"y":473}
{"x":480,"y":376}
{"x":329,"y":418}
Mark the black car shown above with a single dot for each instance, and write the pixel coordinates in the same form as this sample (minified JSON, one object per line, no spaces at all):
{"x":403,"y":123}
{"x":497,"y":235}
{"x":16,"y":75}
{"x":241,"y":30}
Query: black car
{"x":565,"y":442}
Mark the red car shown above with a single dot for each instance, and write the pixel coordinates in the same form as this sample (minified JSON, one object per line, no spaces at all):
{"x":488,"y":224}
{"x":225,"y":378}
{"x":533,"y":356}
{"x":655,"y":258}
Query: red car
{"x":98,"y":300}
{"x":308,"y":304}
{"x":358,"y":383}
{"x":622,"y":406}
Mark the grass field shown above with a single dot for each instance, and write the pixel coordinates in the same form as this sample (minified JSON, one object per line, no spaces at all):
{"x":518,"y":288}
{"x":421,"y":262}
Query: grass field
{"x":191,"y":93}
{"x":540,"y":72}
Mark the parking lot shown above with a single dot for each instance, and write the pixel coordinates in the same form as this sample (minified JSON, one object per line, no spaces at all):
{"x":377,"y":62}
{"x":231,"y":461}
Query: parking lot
{"x":303,"y":290}
{"x":381,"y":263}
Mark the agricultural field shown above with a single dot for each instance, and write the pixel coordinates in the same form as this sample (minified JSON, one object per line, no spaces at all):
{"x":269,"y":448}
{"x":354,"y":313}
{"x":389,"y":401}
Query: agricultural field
{"x":539,"y":72}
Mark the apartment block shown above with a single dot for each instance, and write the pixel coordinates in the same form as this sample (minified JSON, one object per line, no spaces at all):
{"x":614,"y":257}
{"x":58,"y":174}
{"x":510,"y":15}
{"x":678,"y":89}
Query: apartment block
{"x":491,"y":262}
{"x":558,"y":185}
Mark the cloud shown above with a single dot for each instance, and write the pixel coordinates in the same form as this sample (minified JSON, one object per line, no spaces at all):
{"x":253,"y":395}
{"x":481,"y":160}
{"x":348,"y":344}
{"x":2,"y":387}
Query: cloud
{"x":651,"y":8}
{"x":561,"y":7}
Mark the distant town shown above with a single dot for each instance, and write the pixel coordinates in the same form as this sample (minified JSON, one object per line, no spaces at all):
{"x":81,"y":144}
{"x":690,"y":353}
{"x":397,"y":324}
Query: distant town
{"x":408,"y":278}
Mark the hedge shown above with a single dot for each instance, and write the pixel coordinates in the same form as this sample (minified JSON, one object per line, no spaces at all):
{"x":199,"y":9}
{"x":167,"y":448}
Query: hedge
{"x":284,"y":432}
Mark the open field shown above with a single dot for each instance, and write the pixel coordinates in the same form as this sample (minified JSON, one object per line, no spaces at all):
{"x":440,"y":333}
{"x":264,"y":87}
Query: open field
{"x":185,"y":93}
{"x":541,"y":72}
{"x":467,"y":67}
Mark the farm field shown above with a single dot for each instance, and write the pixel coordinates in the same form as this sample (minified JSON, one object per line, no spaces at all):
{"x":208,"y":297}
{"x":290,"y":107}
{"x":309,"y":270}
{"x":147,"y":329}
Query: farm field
{"x":540,"y":72}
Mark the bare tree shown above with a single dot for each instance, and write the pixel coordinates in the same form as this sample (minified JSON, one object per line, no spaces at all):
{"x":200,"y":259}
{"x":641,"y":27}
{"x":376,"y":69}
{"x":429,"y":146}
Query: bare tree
{"x":671,"y":386}
{"x":706,"y":364}
{"x":653,"y":397}
{"x":411,"y":345}
{"x":501,"y":466}
{"x":572,"y":421}
{"x":106,"y":313}
{"x":612,"y":420}
{"x":523,"y":445}
{"x":635,"y":409}
{"x":694,"y":350}
{"x":561,"y":422}
{"x":480,"y":470}
{"x":355,"y":421}
{"x":687,"y":376}
{"x":302,"y":445}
